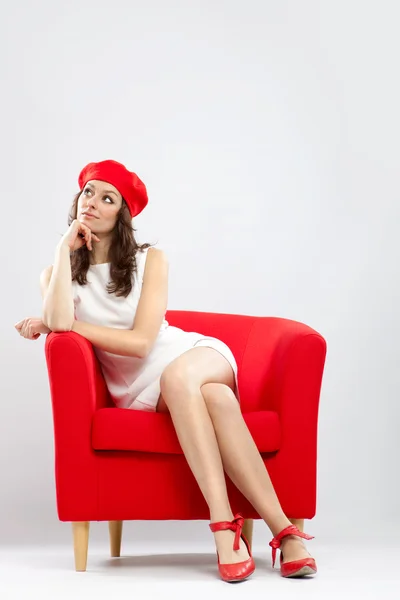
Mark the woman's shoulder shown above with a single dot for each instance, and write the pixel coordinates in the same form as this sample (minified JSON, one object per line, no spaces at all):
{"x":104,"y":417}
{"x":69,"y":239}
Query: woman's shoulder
{"x":152,"y":254}
{"x":154,"y":251}
{"x":156,"y":256}
{"x":153,"y":260}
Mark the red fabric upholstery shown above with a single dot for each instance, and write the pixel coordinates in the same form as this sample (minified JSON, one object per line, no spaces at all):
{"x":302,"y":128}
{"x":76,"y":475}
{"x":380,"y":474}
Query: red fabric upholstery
{"x":126,"y":429}
{"x":116,"y":464}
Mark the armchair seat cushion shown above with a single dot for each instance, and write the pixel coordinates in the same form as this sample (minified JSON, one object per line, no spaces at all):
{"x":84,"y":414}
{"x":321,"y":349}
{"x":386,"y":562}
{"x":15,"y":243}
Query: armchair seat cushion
{"x":139,"y":431}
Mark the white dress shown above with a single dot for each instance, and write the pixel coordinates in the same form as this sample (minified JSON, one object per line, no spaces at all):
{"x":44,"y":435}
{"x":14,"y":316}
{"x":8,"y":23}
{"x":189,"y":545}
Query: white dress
{"x":134,"y":382}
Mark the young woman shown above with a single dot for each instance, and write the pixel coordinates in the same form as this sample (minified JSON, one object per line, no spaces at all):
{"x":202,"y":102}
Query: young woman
{"x":113,"y":291}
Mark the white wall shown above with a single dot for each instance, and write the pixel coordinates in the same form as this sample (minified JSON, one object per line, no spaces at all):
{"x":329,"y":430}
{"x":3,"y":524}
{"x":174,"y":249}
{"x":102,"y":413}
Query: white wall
{"x":267,"y":133}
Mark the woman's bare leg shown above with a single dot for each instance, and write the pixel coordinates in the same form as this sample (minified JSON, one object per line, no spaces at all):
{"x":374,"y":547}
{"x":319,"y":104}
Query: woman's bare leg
{"x":244,"y":465}
{"x":181,"y":396}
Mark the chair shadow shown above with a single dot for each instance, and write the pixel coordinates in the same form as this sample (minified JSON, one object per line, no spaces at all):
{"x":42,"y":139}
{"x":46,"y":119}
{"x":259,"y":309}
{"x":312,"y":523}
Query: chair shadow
{"x":185,"y":566}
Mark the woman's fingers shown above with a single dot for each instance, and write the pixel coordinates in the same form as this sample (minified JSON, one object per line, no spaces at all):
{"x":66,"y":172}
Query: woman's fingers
{"x":22,"y":326}
{"x":88,"y":236}
{"x":32,"y":333}
{"x":18,"y":326}
{"x":82,"y":235}
{"x":29,"y":328}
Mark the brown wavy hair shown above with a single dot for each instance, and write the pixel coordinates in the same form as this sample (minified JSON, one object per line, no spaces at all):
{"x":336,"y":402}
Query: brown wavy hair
{"x":121,"y":254}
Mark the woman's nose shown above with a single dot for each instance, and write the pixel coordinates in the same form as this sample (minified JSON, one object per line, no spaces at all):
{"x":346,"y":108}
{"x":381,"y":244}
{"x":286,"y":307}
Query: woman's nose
{"x":92,"y":201}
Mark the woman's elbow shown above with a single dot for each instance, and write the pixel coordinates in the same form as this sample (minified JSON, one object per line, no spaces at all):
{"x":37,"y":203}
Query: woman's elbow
{"x":142,"y":348}
{"x":61,"y":328}
{"x":58,"y":325}
{"x":57,"y":322}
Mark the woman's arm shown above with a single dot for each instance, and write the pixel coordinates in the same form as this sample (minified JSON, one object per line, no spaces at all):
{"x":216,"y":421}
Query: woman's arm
{"x":153,"y":298}
{"x":148,"y":319}
{"x":124,"y":342}
{"x":56,"y":288}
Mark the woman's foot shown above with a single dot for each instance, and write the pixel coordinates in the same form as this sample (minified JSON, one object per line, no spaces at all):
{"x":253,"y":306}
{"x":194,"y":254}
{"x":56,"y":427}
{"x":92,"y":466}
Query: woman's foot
{"x":224,"y":543}
{"x":293,"y":548}
{"x":295,"y":560}
{"x":235,"y":562}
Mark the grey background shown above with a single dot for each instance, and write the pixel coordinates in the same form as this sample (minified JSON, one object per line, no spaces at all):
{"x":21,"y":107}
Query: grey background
{"x":267,"y":133}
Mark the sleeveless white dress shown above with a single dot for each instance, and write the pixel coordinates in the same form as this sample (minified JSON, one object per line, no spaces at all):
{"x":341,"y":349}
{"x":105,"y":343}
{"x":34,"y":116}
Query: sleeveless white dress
{"x":135,"y":382}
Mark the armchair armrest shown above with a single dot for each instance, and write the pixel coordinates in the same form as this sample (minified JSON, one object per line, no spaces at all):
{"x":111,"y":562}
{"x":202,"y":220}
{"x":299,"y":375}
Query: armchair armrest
{"x":282,"y":371}
{"x":278,"y":350}
{"x":77,"y":390}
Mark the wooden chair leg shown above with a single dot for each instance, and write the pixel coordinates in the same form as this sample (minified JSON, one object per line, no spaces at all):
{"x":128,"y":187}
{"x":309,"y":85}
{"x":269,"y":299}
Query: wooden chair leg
{"x":115,"y":529}
{"x":80,"y":531}
{"x":299,"y":523}
{"x":248,"y":531}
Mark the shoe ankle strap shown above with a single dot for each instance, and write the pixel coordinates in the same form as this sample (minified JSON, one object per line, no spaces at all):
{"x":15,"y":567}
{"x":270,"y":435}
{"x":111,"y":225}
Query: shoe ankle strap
{"x":235,"y":525}
{"x":275,"y":543}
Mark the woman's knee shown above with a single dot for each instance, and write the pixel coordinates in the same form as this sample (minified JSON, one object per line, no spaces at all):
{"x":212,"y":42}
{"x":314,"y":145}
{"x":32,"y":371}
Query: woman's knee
{"x":176,"y":380}
{"x":189,"y":373}
{"x":219,"y":396}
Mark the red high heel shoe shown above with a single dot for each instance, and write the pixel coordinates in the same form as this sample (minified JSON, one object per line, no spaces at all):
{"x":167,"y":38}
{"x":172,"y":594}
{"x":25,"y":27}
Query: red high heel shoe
{"x":294,"y":568}
{"x":237,"y":571}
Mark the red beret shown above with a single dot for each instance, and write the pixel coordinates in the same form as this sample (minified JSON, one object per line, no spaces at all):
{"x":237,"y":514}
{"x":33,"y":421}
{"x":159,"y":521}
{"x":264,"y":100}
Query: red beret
{"x":131,"y":188}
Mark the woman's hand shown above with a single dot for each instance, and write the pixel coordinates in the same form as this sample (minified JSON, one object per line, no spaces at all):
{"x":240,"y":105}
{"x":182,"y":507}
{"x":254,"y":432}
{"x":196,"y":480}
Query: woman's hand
{"x":77,"y":235}
{"x":31,"y":328}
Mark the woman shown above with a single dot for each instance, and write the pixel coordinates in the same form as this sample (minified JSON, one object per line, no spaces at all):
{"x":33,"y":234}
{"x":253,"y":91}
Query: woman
{"x":113,"y":291}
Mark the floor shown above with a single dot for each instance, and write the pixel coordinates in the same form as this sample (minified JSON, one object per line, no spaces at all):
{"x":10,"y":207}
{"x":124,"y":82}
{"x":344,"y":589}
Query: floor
{"x":345,"y":572}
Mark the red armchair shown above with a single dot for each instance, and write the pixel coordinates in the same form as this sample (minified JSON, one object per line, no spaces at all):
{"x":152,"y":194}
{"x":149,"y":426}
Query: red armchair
{"x":116,"y":464}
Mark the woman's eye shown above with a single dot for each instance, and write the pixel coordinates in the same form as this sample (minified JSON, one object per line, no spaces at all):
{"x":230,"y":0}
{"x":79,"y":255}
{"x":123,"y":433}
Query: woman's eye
{"x":88,"y":190}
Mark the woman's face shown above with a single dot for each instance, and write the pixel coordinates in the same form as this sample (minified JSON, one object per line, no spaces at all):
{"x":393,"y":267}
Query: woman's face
{"x":98,"y":206}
